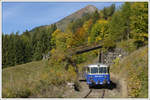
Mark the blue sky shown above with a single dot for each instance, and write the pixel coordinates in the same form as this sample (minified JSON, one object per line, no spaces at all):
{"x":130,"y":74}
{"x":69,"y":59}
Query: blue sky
{"x":19,"y":16}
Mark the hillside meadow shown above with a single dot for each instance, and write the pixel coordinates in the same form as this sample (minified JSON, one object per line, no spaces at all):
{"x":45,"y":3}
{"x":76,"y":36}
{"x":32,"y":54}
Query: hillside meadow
{"x":19,"y":81}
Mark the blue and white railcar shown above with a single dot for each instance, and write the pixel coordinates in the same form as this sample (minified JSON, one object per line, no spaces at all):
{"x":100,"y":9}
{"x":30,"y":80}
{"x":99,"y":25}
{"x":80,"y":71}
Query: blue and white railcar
{"x":97,"y":74}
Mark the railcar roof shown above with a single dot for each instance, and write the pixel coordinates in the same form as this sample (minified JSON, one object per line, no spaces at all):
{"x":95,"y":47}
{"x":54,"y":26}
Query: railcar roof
{"x":98,"y":64}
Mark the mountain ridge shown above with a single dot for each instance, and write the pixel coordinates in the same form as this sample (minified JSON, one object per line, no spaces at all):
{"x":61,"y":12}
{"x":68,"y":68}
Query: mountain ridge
{"x":62,"y":24}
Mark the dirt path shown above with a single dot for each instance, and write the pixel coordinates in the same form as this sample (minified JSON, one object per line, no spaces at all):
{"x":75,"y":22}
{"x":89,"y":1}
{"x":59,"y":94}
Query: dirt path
{"x":121,"y":84}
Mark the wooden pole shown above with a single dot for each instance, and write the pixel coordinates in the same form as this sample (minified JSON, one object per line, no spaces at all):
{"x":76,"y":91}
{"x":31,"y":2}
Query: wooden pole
{"x":99,"y":56}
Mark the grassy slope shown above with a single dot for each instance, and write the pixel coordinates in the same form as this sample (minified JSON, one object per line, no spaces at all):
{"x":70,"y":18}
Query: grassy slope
{"x":23,"y":80}
{"x":31,"y":79}
{"x":20,"y":78}
{"x":134,"y":68}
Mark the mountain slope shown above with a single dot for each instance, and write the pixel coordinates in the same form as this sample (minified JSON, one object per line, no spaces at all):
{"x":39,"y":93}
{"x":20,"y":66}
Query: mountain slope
{"x":62,"y":24}
{"x":17,"y":80}
{"x":134,"y":69}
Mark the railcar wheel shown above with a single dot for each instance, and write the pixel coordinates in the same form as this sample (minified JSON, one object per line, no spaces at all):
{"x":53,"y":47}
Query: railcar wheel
{"x":90,"y":86}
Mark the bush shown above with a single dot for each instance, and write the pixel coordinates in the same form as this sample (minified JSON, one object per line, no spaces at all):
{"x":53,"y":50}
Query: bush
{"x":127,"y":45}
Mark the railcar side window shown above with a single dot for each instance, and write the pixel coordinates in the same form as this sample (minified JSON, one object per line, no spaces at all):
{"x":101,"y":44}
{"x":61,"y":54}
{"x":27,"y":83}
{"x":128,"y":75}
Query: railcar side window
{"x":94,"y":70}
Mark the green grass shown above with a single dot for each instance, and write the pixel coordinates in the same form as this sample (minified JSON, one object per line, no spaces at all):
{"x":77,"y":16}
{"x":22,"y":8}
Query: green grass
{"x":19,"y":81}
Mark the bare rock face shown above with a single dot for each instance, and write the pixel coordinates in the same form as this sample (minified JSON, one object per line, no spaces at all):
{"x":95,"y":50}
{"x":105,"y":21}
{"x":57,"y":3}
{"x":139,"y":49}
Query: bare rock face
{"x":110,"y":56}
{"x":87,"y":9}
{"x":62,"y":24}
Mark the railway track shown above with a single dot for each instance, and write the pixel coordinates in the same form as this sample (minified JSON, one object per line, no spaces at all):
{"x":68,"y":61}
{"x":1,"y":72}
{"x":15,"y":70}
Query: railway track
{"x":94,"y":91}
{"x":103,"y":94}
{"x":88,"y":93}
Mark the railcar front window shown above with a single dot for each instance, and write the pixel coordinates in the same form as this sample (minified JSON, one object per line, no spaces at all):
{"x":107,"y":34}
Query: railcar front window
{"x":94,"y":70}
{"x":103,"y":70}
{"x":100,"y":69}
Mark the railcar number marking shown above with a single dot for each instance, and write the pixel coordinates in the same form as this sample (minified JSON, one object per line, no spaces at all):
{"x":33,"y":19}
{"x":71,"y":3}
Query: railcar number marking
{"x":99,"y":76}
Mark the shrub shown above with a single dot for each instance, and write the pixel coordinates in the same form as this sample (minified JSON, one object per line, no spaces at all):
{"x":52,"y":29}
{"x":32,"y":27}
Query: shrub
{"x":127,"y":45}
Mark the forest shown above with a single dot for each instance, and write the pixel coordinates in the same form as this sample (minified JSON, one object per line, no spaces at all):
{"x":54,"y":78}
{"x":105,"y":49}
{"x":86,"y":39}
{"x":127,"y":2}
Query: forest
{"x":127,"y":25}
